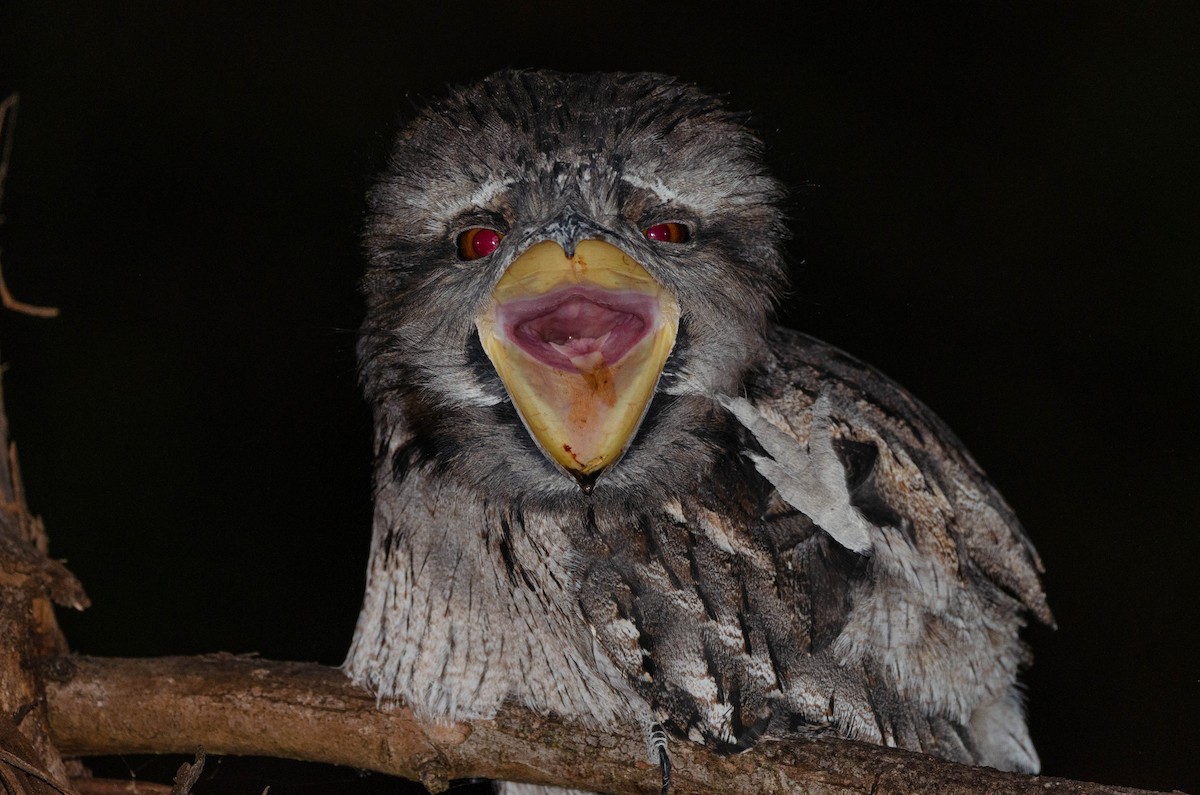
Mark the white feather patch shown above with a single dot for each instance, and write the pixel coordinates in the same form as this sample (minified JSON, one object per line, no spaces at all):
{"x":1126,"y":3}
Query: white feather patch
{"x":657,"y":187}
{"x":812,"y":480}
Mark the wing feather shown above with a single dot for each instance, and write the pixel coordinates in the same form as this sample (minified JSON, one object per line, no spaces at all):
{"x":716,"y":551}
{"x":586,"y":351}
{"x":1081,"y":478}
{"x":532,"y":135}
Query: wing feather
{"x":923,"y":474}
{"x":807,"y":476}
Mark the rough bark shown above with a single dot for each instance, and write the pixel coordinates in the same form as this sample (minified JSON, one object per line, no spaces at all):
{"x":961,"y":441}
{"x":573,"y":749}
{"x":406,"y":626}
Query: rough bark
{"x":29,"y":582}
{"x":241,"y":705}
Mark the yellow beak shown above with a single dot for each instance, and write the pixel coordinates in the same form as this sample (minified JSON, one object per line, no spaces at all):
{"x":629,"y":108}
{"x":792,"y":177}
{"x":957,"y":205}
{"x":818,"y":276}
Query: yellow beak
{"x":580,"y":343}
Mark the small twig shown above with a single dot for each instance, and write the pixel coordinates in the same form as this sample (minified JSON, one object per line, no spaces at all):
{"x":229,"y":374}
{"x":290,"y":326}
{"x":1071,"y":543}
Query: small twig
{"x":188,"y":775}
{"x":20,"y":306}
{"x":8,"y":119}
{"x":12,"y":784}
{"x":20,"y":764}
{"x":8,"y":116}
{"x":108,"y":786}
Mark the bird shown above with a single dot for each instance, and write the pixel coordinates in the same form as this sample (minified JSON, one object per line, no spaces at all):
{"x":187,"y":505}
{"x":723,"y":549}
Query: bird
{"x":609,"y":485}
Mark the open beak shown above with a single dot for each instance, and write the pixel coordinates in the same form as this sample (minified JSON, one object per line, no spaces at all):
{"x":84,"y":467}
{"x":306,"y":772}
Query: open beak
{"x":580,"y":343}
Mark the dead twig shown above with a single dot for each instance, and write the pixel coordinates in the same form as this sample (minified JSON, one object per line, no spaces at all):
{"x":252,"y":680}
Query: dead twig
{"x":12,"y":760}
{"x":8,"y":117}
{"x":12,"y":303}
{"x":188,"y":774}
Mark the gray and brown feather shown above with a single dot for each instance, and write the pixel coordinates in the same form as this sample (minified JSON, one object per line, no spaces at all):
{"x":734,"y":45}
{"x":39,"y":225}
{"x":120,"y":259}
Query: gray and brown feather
{"x":791,"y":544}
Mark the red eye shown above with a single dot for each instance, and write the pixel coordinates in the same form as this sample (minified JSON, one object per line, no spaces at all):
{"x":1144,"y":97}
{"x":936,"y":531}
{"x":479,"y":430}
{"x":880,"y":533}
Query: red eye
{"x":478,"y":242}
{"x":669,"y":232}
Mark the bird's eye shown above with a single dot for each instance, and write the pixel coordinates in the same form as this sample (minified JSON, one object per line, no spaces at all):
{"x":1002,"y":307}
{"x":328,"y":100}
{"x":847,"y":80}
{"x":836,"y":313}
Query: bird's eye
{"x":478,"y":242}
{"x":669,"y":232}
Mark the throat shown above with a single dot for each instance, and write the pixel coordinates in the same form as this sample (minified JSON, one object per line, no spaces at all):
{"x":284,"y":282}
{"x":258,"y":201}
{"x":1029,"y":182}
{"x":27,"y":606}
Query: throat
{"x":579,"y":330}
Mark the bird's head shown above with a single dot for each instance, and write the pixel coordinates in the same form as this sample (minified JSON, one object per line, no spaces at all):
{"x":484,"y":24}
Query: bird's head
{"x":564,"y":270}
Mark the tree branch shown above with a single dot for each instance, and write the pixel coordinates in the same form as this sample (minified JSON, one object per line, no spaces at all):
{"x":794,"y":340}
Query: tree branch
{"x":245,"y":705}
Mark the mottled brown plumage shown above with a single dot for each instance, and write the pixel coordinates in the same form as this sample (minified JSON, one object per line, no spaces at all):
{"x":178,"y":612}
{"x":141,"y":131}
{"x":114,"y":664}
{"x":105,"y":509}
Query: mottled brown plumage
{"x":790,"y":544}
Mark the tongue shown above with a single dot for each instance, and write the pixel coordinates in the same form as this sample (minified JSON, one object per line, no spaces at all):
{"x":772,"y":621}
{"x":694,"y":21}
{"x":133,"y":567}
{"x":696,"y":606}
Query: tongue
{"x":577,"y":346}
{"x":588,"y":362}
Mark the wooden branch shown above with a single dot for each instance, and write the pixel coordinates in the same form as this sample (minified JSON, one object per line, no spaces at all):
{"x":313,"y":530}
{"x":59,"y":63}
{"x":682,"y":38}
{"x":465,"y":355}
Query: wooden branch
{"x":241,"y":705}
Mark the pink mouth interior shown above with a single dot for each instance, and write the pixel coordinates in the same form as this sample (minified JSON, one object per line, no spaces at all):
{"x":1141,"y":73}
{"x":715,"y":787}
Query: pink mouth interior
{"x":578,"y":329}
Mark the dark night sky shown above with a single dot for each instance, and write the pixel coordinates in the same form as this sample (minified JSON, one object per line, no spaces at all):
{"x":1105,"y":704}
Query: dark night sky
{"x":995,"y":203}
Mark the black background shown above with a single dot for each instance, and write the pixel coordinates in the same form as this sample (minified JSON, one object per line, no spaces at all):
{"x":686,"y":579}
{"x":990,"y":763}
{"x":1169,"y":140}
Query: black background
{"x":995,"y":203}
